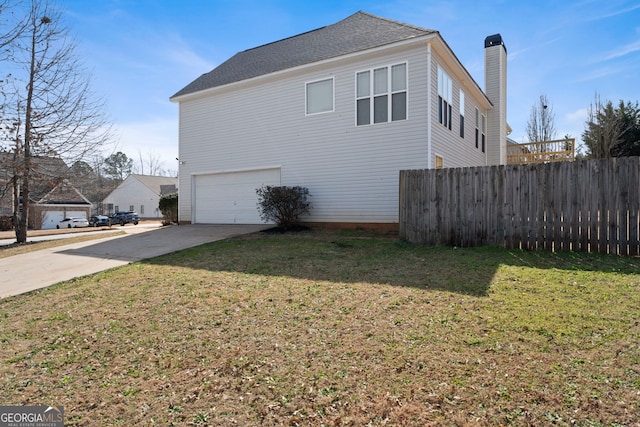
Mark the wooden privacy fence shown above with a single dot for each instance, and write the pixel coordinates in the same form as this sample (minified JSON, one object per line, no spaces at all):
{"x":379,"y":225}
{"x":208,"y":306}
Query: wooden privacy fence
{"x":590,"y":205}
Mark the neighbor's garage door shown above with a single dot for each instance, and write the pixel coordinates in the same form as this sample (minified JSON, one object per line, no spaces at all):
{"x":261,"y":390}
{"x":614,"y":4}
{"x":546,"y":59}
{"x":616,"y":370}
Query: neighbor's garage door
{"x":50,"y":219}
{"x":230,"y":198}
{"x":77,"y":214}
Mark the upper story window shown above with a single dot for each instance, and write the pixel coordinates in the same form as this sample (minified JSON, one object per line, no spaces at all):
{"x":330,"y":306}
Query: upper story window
{"x":319,"y":96}
{"x":477,"y":128}
{"x":484,"y":131}
{"x":461,"y":114}
{"x":381,"y":94}
{"x":445,"y":98}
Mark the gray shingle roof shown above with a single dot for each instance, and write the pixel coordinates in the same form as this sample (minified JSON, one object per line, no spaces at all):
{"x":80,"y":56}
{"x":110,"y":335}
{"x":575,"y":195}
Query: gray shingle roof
{"x":155,"y":183}
{"x":358,"y":32}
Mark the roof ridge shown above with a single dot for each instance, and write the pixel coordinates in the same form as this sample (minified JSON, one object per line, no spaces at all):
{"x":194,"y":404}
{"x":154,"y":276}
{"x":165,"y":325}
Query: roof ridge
{"x":281,"y":40}
{"x":394,"y":21}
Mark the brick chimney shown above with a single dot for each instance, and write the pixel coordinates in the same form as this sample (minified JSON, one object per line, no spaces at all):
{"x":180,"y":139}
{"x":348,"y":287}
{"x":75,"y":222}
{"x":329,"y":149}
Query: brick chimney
{"x":495,"y":87}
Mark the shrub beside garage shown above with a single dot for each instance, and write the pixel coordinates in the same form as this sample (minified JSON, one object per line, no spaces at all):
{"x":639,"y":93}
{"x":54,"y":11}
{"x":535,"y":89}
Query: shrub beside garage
{"x":168,"y":206}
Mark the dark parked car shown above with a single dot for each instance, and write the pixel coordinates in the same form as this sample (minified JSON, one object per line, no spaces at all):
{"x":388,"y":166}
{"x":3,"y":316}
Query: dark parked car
{"x":123,"y":218}
{"x":98,"y":221}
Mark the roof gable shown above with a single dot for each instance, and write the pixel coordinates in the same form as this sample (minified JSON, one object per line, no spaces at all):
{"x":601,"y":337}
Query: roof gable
{"x":63,"y":193}
{"x":358,"y":32}
{"x":157,"y":183}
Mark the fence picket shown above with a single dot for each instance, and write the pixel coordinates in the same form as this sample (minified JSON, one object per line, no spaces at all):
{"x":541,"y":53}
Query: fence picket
{"x":589,"y":206}
{"x":634,"y":201}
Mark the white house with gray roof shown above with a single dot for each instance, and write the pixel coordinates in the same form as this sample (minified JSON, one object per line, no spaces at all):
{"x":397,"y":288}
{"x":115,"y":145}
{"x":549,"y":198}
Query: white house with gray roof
{"x":140,"y":193}
{"x":339,"y":110}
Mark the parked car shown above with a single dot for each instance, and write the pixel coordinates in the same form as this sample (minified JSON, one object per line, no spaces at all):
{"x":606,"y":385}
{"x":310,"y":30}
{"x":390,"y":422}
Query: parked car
{"x":98,"y":221}
{"x":73,"y":222}
{"x":123,"y":218}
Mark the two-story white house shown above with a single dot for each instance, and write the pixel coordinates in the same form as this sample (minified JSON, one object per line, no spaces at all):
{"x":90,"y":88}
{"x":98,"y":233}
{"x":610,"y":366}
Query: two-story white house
{"x":339,"y":110}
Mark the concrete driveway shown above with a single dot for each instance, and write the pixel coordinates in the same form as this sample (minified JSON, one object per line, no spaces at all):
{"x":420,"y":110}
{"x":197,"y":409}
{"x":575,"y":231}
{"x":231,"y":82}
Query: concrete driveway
{"x":39,"y":269}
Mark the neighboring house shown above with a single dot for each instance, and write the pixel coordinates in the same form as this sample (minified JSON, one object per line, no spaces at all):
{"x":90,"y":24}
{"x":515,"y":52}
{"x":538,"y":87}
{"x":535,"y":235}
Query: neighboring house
{"x":339,"y":110}
{"x":51,"y":197}
{"x":140,"y":193}
{"x":62,"y":201}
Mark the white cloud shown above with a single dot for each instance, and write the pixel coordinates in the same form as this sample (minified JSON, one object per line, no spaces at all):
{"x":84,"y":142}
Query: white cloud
{"x":623,"y":51}
{"x":578,"y":116}
{"x":599,"y":73}
{"x":618,"y":12}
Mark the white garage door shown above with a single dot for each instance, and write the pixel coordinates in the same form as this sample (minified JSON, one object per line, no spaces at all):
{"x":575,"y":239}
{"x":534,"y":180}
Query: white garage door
{"x":50,"y":219}
{"x":77,"y":214}
{"x":230,"y":198}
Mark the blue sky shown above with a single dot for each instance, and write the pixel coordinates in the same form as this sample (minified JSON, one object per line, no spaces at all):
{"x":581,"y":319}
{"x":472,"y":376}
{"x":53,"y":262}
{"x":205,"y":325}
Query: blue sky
{"x":140,"y":52}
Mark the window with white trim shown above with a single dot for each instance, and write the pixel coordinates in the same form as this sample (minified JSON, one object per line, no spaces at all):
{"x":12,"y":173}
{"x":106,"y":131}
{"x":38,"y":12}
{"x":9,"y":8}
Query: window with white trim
{"x":477,"y":128}
{"x":381,"y":94}
{"x":445,"y":95}
{"x":461,"y":114}
{"x":484,"y":130}
{"x":319,"y":96}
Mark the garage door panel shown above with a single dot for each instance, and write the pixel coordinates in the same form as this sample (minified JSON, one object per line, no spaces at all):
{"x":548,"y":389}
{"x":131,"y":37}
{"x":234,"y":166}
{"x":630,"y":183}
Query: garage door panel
{"x":50,"y":219}
{"x":230,"y":198}
{"x":77,"y":214}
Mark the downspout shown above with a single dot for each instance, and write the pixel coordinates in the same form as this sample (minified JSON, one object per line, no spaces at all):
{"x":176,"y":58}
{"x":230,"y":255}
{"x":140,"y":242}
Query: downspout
{"x":193,"y":199}
{"x":429,"y":89}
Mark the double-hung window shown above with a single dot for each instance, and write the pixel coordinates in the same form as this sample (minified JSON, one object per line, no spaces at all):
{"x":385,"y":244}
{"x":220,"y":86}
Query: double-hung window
{"x":484,"y":130}
{"x":319,"y":96}
{"x":461,"y":114}
{"x":445,"y":98}
{"x":481,"y":130}
{"x":381,"y":94}
{"x":477,"y":128}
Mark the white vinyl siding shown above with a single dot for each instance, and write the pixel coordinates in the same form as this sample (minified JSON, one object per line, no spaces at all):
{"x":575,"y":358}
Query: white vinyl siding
{"x":445,"y":142}
{"x":351,"y":172}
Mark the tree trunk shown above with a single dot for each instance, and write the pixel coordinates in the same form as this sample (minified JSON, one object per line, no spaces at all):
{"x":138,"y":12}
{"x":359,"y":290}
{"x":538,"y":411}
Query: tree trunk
{"x":23,"y":220}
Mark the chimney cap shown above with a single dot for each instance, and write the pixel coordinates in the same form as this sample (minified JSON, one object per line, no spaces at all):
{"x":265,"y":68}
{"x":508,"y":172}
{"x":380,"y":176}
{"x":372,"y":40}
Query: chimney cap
{"x":494,"y":40}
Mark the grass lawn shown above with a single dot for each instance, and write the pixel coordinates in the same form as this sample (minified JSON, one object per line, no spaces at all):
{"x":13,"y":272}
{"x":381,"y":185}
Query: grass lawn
{"x":336,"y":328}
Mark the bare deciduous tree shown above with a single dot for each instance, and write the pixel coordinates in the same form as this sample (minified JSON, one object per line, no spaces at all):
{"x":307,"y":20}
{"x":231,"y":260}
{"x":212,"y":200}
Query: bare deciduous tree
{"x":541,"y":125}
{"x":50,"y":106}
{"x":151,"y":165}
{"x":11,"y":28}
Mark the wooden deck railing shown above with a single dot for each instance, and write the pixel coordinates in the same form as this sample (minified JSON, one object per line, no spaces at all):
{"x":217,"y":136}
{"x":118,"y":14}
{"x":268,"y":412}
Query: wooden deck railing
{"x":559,"y":150}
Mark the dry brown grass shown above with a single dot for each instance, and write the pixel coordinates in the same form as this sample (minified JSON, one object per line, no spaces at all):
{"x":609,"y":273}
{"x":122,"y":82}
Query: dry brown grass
{"x":334,"y":329}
